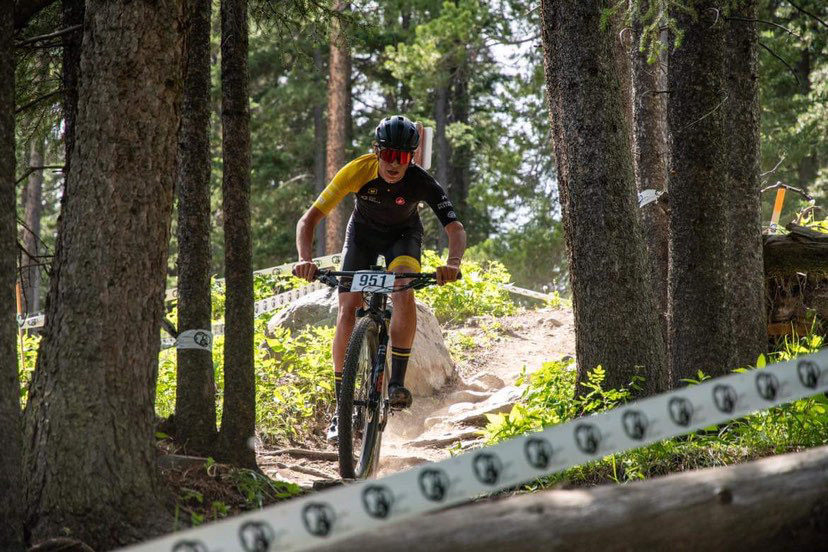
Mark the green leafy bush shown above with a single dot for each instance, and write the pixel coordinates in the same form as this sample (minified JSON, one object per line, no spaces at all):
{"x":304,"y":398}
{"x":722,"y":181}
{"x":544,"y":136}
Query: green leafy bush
{"x":476,"y":294}
{"x":294,"y":380}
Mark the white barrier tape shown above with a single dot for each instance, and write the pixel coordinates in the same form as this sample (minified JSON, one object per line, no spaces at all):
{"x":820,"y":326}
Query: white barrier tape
{"x":270,"y":304}
{"x":195,"y":339}
{"x":327,"y":261}
{"x":335,"y":514}
{"x":527,"y":292}
{"x":32,"y":322}
{"x":645,"y":197}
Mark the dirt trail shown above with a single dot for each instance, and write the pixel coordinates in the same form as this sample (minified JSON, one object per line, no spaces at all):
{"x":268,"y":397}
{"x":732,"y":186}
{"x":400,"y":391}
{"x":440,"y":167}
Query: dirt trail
{"x":497,"y":351}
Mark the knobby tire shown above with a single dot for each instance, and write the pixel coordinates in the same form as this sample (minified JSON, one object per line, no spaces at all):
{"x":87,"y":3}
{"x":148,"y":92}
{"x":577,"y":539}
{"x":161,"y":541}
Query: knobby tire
{"x":362,"y":349}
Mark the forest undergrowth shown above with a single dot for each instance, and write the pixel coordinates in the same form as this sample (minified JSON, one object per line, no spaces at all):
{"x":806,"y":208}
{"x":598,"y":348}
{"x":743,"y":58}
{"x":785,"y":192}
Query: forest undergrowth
{"x":294,"y":398}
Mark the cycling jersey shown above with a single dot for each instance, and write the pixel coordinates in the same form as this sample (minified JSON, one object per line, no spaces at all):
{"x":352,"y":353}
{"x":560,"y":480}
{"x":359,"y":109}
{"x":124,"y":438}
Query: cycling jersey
{"x":381,"y":205}
{"x":385,"y":220}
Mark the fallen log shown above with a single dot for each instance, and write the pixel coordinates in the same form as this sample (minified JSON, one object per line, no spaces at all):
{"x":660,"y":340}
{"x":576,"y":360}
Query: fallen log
{"x":778,"y":503}
{"x":802,"y":250}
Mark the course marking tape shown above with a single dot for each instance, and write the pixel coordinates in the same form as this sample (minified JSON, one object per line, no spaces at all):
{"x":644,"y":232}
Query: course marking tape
{"x":328,"y":516}
{"x":272,"y":303}
{"x":327,"y":261}
{"x":645,"y":197}
{"x":195,"y":339}
{"x":527,"y":292}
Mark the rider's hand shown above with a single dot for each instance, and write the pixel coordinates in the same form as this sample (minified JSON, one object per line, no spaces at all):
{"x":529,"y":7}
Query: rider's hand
{"x":446,"y":274}
{"x":305,"y":270}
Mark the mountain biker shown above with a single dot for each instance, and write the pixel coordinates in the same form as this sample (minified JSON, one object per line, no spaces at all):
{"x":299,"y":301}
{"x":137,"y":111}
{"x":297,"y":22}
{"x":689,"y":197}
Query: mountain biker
{"x":389,"y":188}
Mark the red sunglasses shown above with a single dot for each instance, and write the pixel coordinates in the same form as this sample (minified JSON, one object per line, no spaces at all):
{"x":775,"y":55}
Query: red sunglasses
{"x":395,"y":156}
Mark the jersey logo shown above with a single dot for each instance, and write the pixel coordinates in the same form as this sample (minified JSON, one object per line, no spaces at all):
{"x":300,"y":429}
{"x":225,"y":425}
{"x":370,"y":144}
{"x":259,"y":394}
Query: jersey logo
{"x":372,"y":191}
{"x":399,"y":201}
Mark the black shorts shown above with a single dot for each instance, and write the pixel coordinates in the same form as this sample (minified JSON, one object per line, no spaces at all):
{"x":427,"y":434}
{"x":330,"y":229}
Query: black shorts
{"x":364,"y":244}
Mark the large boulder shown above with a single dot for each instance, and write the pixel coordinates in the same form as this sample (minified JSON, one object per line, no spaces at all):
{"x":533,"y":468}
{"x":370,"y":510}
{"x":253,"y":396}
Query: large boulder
{"x":430,"y":368}
{"x":314,"y":309}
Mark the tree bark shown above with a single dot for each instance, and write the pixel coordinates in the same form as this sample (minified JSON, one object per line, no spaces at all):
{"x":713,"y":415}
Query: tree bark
{"x":777,"y":503}
{"x":238,"y":418}
{"x":73,"y":11}
{"x":11,"y":495}
{"x":89,"y":420}
{"x":747,"y":279}
{"x":32,"y":208}
{"x":338,"y":122}
{"x":195,"y":398}
{"x":699,"y":317}
{"x":319,"y":142}
{"x":649,"y":149}
{"x":616,"y":322}
{"x":442,"y":151}
{"x":459,"y":177}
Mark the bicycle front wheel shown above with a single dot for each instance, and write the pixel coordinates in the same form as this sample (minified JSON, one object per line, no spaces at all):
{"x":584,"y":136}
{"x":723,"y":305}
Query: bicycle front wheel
{"x":359,"y":405}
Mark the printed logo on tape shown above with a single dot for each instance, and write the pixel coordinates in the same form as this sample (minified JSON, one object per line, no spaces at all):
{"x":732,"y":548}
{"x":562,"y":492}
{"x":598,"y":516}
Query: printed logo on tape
{"x":538,"y":452}
{"x":434,"y":484}
{"x":487,"y":468}
{"x":190,"y":546}
{"x":587,"y":437}
{"x":767,"y":385}
{"x":724,"y":397}
{"x":809,"y":373}
{"x":635,"y":424}
{"x":681,"y":411}
{"x":318,"y":518}
{"x":256,"y":536}
{"x":377,"y":501}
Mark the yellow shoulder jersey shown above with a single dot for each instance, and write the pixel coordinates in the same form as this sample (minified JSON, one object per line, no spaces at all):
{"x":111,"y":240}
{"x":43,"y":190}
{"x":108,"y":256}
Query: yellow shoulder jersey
{"x":381,"y":204}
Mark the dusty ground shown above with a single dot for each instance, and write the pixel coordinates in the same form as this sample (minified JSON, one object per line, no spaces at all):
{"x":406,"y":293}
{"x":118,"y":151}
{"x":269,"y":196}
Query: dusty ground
{"x":490,"y":355}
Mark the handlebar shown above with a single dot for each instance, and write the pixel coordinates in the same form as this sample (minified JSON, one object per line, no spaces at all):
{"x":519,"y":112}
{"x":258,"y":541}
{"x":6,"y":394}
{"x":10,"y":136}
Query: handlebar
{"x":419,"y":279}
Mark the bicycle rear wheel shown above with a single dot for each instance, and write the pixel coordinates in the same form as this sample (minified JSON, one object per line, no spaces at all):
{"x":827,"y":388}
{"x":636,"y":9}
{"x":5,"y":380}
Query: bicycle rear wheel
{"x":359,"y":410}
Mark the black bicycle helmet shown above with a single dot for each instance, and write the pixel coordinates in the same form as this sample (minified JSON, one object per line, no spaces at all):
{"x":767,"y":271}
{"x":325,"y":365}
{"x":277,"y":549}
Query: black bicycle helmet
{"x":397,"y":133}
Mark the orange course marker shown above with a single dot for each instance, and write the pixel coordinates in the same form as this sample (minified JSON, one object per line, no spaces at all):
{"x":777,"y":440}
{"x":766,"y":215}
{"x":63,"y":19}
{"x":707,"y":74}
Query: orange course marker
{"x":777,"y":208}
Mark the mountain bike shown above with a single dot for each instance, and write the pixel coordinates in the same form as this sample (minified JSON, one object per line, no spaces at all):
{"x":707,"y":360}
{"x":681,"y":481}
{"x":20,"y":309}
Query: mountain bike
{"x":363,"y":398}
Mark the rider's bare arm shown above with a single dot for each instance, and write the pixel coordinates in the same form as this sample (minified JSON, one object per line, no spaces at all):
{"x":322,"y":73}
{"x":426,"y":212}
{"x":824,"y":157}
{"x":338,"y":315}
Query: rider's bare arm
{"x":456,"y":246}
{"x":304,"y":243}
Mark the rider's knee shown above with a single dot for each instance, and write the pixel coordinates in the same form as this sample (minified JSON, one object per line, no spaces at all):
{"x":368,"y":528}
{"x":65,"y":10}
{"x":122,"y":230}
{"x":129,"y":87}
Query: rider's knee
{"x":348,"y":304}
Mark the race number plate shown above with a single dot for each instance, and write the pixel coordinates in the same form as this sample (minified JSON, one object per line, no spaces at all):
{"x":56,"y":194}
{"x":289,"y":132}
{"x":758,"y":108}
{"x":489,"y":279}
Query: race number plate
{"x":372,"y":281}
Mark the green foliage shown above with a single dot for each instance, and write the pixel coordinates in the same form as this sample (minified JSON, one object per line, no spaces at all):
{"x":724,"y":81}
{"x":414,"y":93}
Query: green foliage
{"x":26,"y":360}
{"x":294,"y":380}
{"x":549,"y":399}
{"x":477,"y":293}
{"x":258,"y":489}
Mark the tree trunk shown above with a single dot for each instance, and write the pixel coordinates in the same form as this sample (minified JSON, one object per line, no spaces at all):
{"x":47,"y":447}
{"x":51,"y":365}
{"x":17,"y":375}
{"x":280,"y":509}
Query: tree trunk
{"x":11,"y":494}
{"x":238,"y":418}
{"x":319,"y":140}
{"x":777,"y":503}
{"x":616,"y":322}
{"x":89,"y":421}
{"x":32,"y":208}
{"x":649,"y":118}
{"x":807,"y":167}
{"x":459,"y":176}
{"x":73,"y":11}
{"x":338,"y":123}
{"x":442,"y":151}
{"x":195,"y":398}
{"x":747,"y":278}
{"x":699,"y":318}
